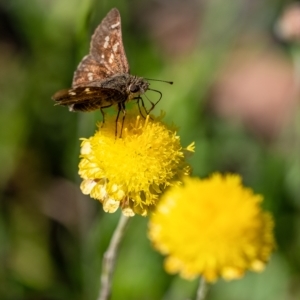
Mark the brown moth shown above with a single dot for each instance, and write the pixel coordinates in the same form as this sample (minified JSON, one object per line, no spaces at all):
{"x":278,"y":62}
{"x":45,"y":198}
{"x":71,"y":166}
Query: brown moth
{"x":102,"y":78}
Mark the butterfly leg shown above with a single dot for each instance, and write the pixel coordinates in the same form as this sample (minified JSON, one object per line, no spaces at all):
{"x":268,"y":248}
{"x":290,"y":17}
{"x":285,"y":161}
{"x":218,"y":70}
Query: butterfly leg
{"x":152,"y":103}
{"x":117,"y":118}
{"x":144,"y":107}
{"x":103,"y":113}
{"x":140,"y":99}
{"x":103,"y":116}
{"x":122,"y":104}
{"x":121,"y":107}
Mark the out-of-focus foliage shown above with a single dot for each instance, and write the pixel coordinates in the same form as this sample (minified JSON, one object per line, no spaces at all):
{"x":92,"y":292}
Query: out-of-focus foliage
{"x":235,"y":93}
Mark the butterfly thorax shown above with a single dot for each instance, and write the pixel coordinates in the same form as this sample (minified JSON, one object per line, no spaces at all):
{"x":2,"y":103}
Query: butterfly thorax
{"x":129,"y":85}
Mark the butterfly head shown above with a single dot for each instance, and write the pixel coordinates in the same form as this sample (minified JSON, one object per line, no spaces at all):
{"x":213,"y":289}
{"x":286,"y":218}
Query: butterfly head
{"x":137,"y":87}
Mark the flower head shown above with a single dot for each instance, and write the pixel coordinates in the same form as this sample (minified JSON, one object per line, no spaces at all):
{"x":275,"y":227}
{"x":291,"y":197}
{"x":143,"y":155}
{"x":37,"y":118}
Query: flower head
{"x":212,"y":227}
{"x":132,"y":171}
{"x":288,"y":26}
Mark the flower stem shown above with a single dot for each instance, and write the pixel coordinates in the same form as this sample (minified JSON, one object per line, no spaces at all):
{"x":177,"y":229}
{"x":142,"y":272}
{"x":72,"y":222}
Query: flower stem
{"x":202,"y":289}
{"x":109,"y":259}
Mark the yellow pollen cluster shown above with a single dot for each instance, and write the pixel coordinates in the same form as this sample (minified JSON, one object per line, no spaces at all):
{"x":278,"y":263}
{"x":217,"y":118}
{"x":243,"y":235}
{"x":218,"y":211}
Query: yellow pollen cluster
{"x":213,"y":227}
{"x":132,"y":171}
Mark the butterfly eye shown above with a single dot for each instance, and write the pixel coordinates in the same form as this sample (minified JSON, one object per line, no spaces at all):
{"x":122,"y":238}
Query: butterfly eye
{"x":134,"y":88}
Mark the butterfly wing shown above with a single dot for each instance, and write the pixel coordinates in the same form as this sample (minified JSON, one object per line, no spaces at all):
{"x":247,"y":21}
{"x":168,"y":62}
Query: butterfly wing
{"x":88,"y":98}
{"x":107,"y":55}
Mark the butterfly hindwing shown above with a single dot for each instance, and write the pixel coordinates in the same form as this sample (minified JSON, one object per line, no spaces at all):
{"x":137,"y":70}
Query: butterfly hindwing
{"x":88,"y":98}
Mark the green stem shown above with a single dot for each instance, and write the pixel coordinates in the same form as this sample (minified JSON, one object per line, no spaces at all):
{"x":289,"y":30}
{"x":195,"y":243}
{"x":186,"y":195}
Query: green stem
{"x":202,"y":289}
{"x":109,"y":259}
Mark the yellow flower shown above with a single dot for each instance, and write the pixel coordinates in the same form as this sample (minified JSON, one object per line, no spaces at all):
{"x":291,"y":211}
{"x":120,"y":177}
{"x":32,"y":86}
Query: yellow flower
{"x":212,"y":227}
{"x":131,"y":172}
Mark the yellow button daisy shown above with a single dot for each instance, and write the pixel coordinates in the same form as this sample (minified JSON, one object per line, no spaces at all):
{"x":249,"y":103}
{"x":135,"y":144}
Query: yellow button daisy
{"x":132,"y":171}
{"x":212,"y":227}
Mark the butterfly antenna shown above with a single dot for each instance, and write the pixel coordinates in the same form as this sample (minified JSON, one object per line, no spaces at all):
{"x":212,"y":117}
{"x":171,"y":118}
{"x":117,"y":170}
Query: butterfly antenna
{"x":169,"y":82}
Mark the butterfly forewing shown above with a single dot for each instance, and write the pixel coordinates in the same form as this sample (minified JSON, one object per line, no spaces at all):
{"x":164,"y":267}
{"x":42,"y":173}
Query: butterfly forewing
{"x":107,"y":41}
{"x":90,"y":73}
{"x":107,"y":55}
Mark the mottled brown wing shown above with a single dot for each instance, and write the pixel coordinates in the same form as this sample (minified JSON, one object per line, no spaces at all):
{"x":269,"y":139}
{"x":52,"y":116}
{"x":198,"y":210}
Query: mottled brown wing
{"x":89,"y":73}
{"x":107,"y":55}
{"x":88,"y":98}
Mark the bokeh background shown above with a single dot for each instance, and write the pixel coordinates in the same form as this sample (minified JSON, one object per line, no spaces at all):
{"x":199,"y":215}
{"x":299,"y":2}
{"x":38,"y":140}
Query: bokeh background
{"x":235,"y":67}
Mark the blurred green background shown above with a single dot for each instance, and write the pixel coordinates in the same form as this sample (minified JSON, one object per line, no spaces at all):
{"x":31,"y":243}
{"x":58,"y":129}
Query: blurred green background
{"x":235,"y":67}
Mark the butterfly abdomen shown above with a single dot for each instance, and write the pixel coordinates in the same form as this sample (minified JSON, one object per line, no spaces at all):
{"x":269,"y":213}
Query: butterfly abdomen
{"x":84,"y":107}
